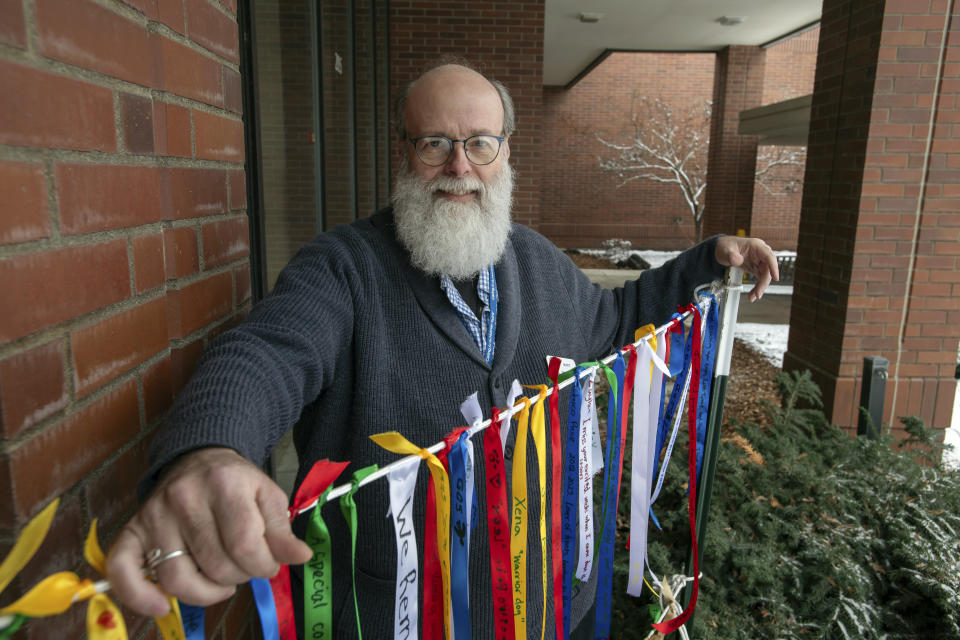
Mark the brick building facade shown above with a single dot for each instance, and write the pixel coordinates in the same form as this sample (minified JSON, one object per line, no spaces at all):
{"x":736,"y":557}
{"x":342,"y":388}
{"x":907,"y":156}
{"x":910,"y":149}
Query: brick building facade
{"x":124,"y":251}
{"x":125,"y":242}
{"x":581,"y":205}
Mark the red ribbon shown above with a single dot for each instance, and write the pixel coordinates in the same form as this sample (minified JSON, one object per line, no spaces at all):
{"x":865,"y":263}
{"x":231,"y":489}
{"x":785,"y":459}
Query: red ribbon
{"x":675,"y":623}
{"x":280,"y":585}
{"x":625,"y":409}
{"x":432,"y":580}
{"x":321,"y":474}
{"x":499,"y":530}
{"x":556,"y":497}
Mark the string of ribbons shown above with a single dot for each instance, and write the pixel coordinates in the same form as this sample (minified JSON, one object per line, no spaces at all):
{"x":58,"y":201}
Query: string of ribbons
{"x":580,"y":540}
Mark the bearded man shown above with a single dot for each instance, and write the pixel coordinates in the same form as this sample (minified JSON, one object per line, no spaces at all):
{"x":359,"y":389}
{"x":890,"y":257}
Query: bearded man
{"x":386,"y":324}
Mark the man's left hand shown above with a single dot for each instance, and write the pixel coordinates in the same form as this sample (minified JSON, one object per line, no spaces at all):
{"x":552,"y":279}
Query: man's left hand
{"x":754,"y":256}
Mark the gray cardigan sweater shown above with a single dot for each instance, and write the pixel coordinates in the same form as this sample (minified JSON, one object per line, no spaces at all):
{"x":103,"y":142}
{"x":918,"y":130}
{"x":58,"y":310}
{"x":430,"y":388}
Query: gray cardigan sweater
{"x":354,"y":341}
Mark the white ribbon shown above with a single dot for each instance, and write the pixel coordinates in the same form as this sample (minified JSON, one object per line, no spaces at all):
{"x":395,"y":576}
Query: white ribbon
{"x":470,"y":409}
{"x":468,"y":477}
{"x":515,"y":392}
{"x":640,"y":473}
{"x":596,"y":445}
{"x":566,"y":364}
{"x":585,"y":484}
{"x":673,"y":436}
{"x":403,"y":480}
{"x":656,"y":408}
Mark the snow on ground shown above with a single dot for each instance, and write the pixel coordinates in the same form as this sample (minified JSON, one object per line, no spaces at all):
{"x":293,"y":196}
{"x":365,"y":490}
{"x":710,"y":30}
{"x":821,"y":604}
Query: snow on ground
{"x":771,"y":340}
{"x":656,"y":258}
{"x":953,"y":434}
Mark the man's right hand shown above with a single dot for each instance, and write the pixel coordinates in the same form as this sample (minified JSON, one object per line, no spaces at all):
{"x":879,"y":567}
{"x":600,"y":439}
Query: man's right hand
{"x":228,"y":515}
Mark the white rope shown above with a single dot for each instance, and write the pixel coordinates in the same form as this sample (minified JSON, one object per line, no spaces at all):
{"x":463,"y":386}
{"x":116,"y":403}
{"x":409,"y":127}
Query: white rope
{"x":336,"y":492}
{"x":668,"y":600}
{"x":916,"y":220}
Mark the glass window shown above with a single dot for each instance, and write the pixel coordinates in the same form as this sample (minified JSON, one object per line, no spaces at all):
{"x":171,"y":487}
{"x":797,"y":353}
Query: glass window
{"x":316,"y":112}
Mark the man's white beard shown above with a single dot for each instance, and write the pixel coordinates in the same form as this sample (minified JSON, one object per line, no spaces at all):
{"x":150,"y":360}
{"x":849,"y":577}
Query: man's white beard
{"x":458,"y":239}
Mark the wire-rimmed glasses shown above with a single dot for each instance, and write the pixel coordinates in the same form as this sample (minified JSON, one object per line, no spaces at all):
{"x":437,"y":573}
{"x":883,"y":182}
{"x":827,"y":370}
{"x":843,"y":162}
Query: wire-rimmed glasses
{"x":434,"y":151}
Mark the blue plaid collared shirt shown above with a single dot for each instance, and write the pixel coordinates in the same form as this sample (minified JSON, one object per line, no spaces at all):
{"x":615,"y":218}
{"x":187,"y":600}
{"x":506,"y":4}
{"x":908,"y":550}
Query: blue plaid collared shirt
{"x":484,"y":330}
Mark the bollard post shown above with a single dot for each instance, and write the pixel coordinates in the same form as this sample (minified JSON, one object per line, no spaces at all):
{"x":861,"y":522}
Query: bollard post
{"x":872,"y":392}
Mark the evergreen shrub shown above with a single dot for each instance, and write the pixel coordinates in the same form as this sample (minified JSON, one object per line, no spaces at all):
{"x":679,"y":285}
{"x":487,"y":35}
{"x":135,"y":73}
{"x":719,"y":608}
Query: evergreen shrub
{"x":812,"y":533}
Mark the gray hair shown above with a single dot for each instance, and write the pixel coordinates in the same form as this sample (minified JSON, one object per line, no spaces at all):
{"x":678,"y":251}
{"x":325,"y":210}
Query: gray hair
{"x":509,"y":117}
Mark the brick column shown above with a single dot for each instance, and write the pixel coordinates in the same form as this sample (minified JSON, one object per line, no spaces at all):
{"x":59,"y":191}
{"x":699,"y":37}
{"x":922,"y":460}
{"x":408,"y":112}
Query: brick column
{"x":123,"y":250}
{"x":738,"y":85}
{"x":876,"y":75}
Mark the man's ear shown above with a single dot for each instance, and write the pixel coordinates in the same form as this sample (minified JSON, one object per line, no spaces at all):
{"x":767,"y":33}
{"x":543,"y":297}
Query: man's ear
{"x":402,"y":150}
{"x":506,"y":149}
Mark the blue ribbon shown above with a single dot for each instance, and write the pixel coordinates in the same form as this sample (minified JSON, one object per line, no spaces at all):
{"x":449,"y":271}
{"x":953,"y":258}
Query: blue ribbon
{"x":708,"y":356}
{"x":474,"y":511}
{"x":570,"y":514}
{"x":459,"y":540}
{"x":490,"y":339}
{"x":677,"y":346}
{"x":680,"y":352}
{"x":192,"y":621}
{"x":611,"y":487}
{"x":266,"y":608}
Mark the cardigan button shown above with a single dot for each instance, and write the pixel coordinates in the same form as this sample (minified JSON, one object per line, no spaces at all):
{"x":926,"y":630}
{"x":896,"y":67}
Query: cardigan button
{"x":496,"y":383}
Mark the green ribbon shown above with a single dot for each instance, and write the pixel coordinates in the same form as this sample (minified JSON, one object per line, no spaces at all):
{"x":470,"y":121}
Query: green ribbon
{"x":318,"y":577}
{"x":349,"y":509}
{"x":8,"y":631}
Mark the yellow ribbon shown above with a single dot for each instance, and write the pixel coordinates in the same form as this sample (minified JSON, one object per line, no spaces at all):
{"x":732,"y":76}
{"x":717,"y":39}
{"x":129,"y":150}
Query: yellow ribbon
{"x":538,"y":430}
{"x":104,"y":620}
{"x":518,"y":527}
{"x":171,"y":625}
{"x":639,"y":334}
{"x":92,"y":551}
{"x":52,"y":595}
{"x":393,"y":441}
{"x":108,"y":623}
{"x":27,"y":544}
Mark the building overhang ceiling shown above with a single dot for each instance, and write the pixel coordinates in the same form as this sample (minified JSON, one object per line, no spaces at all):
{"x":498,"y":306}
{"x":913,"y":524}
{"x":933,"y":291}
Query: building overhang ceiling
{"x":572,"y":45}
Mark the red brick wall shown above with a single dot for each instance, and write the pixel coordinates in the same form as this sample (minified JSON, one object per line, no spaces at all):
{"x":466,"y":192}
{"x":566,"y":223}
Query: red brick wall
{"x":738,"y":85}
{"x":861,"y":195}
{"x":788,"y":73}
{"x":505,"y":41}
{"x":123,"y":250}
{"x":582,"y":205}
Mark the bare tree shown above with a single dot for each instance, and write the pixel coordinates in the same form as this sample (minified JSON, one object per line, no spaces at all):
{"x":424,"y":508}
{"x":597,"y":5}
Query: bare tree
{"x":670,"y":146}
{"x":776,"y":168}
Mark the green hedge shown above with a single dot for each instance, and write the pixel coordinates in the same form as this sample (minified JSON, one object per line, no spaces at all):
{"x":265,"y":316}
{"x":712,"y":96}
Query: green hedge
{"x":812,"y":533}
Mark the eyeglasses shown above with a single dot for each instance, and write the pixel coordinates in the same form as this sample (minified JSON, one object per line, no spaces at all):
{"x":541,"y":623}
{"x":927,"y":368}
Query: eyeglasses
{"x":434,"y":151}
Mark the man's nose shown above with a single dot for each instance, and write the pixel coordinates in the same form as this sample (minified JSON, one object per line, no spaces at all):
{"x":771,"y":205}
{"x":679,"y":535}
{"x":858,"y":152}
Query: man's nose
{"x":457,"y":163}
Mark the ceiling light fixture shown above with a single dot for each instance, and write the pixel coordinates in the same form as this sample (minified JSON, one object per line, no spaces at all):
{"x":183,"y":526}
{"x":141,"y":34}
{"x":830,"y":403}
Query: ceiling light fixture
{"x":590,"y":17}
{"x":730,"y":21}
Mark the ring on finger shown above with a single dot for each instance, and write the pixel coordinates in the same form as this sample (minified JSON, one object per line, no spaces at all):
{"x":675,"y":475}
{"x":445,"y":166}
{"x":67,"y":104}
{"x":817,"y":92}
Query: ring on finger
{"x":156,"y":557}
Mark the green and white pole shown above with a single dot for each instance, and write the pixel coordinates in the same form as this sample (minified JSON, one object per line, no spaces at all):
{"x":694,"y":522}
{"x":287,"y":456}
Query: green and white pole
{"x":728,"y":325}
